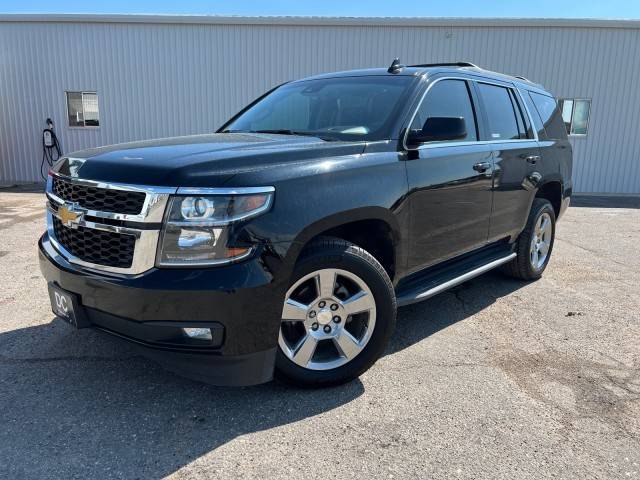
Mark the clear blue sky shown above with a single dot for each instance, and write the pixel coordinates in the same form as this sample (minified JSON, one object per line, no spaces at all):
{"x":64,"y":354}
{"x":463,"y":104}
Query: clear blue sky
{"x":408,"y":8}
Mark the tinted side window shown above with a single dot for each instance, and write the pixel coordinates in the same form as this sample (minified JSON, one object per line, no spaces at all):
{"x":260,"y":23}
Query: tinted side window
{"x":448,"y":98}
{"x":550,"y":115}
{"x":521,"y":113}
{"x":535,"y":116}
{"x":521,"y":128}
{"x":501,"y":112}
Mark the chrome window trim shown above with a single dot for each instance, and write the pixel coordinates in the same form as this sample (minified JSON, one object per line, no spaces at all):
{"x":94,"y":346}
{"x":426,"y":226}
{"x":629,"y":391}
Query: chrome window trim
{"x":415,"y":112}
{"x":474,"y":142}
{"x":466,"y":144}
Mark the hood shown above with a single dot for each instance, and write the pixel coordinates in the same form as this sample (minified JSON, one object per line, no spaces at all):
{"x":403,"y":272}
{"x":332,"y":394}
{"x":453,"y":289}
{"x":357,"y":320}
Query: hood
{"x":200,"y":160}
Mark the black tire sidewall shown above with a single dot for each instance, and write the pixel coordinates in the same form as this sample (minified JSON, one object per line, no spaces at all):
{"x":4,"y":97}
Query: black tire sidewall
{"x":350,"y":258}
{"x":539,"y":207}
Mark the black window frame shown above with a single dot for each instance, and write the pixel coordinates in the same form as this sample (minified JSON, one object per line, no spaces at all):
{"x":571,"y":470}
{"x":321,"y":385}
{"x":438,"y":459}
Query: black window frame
{"x":538,"y":124}
{"x":511,"y":90}
{"x":524,"y":115}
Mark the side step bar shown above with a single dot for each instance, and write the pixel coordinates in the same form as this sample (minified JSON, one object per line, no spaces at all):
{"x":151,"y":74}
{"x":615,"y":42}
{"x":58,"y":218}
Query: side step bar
{"x":417,"y":296}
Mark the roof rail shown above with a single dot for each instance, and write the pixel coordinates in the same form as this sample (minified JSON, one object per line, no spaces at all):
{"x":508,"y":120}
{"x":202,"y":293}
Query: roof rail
{"x":522,"y":78}
{"x":446,"y":64}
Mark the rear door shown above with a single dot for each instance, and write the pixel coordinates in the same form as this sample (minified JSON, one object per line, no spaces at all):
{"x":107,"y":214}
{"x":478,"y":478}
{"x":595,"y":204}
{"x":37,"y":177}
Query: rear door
{"x":516,"y":156}
{"x":449,"y":182}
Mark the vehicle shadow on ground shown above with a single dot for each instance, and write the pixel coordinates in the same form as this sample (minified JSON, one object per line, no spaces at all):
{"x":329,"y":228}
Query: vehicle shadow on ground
{"x":421,"y":320}
{"x":82,"y":404}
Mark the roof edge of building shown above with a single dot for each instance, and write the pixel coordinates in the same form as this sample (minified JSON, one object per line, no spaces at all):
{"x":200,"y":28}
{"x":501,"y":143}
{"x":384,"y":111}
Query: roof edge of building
{"x":320,"y":21}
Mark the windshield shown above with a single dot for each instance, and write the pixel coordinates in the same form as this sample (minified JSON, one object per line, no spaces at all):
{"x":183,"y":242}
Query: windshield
{"x":344,"y":108}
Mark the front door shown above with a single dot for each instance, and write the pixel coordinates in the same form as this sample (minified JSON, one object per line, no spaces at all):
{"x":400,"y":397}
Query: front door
{"x":450,"y":183}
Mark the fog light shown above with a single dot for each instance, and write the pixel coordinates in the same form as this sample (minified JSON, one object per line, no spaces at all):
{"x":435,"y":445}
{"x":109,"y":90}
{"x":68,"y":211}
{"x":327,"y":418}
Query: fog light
{"x":199,"y":333}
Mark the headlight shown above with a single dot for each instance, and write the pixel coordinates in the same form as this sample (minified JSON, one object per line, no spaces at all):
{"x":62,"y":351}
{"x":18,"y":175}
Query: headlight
{"x":196,"y":227}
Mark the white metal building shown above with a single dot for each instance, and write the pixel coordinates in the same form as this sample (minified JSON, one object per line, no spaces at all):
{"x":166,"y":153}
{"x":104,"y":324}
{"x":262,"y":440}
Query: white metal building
{"x":114,"y":78}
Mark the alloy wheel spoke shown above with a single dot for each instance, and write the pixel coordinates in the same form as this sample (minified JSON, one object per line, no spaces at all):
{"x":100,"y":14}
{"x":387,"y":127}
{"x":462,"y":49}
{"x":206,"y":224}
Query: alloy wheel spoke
{"x":538,"y":228}
{"x":303,"y":354}
{"x":325,"y":282}
{"x":326,"y":325}
{"x":534,"y":257}
{"x":360,"y":302}
{"x":346,"y":344}
{"x":293,"y":310}
{"x":543,"y":248}
{"x":544,"y":225}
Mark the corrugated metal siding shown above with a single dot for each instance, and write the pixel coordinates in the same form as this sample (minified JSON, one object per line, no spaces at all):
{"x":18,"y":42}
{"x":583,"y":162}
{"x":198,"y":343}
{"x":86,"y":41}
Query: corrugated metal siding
{"x":163,"y":79}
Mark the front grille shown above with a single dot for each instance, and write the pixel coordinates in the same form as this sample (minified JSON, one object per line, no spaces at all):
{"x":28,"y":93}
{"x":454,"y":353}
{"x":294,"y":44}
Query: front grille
{"x":101,"y":199}
{"x":96,"y":246}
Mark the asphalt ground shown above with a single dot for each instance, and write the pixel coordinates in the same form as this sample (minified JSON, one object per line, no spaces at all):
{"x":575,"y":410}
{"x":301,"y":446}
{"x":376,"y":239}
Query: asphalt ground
{"x":496,"y":378}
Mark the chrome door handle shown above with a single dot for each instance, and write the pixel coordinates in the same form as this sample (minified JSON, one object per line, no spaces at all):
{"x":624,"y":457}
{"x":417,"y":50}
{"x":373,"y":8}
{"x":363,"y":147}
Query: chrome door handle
{"x":482,"y":167}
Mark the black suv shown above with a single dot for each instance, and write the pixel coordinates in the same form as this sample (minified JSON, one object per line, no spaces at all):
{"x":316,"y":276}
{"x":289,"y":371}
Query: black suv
{"x":284,"y":242}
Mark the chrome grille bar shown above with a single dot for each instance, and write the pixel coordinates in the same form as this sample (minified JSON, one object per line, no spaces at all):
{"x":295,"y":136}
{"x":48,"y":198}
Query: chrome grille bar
{"x":146,"y":236}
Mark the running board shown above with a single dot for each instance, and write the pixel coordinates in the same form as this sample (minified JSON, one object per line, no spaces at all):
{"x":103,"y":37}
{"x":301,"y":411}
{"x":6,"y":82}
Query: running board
{"x":417,"y":295}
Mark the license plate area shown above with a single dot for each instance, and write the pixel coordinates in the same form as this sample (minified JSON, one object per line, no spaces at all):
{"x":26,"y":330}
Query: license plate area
{"x":66,"y":306}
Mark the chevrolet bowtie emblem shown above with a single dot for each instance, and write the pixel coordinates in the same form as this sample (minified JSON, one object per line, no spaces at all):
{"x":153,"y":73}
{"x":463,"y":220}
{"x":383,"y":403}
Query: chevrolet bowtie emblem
{"x":68,"y":216}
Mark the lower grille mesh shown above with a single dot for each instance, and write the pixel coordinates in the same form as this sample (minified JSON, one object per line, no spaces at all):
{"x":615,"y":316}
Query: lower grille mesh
{"x":96,"y":246}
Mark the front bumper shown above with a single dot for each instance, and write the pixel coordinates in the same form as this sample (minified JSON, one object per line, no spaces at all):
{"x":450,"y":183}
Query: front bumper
{"x":240,"y":303}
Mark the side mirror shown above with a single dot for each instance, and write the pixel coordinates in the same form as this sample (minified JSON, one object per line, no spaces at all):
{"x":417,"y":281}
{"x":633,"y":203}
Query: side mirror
{"x":438,"y":129}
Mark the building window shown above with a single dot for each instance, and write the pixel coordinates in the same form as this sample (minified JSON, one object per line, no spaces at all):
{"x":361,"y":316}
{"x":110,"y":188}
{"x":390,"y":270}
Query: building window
{"x":575,"y":115}
{"x":82,"y":109}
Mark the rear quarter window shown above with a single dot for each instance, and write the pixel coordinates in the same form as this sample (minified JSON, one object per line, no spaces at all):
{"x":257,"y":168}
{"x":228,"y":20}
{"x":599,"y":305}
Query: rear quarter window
{"x":550,"y":114}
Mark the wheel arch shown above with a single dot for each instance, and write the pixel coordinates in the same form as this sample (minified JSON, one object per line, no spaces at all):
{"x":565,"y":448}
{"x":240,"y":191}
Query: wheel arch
{"x":552,"y":191}
{"x":375,"y":229}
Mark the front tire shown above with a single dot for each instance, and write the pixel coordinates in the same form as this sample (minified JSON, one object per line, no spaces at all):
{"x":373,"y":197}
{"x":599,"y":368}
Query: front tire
{"x":535,"y":243}
{"x":337,"y":317}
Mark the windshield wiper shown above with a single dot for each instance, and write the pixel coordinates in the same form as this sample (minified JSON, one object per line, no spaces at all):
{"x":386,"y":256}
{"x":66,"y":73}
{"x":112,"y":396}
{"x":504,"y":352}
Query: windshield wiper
{"x":285,"y":131}
{"x":282,"y":131}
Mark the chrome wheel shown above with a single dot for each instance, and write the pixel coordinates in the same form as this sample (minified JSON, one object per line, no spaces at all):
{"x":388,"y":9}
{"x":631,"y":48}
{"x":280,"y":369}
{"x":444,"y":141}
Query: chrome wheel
{"x":327,"y":319}
{"x":541,"y":241}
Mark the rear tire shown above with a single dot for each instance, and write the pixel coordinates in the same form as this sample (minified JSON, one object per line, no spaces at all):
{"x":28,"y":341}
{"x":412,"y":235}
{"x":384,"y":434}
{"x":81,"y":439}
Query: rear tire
{"x":535,"y":243}
{"x":325,"y":337}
